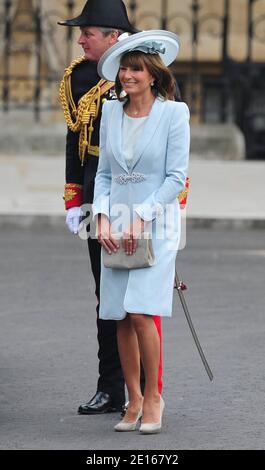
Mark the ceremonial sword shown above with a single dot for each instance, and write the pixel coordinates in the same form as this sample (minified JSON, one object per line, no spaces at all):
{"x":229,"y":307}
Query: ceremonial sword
{"x":180,"y":286}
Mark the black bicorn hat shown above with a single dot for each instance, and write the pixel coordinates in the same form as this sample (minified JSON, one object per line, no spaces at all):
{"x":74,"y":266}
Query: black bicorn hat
{"x":103,"y":13}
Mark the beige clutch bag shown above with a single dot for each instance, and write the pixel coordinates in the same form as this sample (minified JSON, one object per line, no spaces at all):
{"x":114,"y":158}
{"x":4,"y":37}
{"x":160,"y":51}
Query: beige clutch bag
{"x":142,"y":258}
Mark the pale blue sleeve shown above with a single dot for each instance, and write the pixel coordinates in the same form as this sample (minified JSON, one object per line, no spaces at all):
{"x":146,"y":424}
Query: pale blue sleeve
{"x":177,"y":159}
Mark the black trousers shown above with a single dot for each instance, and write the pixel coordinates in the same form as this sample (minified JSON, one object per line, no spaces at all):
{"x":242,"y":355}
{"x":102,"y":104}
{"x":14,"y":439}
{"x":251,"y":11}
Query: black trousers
{"x":110,"y":379}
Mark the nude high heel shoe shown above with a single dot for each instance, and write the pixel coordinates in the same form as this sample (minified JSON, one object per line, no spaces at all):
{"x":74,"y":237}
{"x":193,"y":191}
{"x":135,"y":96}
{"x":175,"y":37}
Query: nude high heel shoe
{"x":125,"y":427}
{"x":153,"y":428}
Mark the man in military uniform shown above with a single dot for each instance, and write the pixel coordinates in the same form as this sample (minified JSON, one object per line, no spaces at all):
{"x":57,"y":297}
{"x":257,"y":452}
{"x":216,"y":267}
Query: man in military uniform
{"x":82,"y":94}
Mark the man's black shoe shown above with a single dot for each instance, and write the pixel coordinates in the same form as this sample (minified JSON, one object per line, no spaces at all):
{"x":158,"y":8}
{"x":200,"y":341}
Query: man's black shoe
{"x":124,"y":409}
{"x":99,"y":404}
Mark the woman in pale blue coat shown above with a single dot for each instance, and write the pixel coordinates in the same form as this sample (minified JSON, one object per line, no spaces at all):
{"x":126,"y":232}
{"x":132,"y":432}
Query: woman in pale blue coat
{"x":144,"y":149}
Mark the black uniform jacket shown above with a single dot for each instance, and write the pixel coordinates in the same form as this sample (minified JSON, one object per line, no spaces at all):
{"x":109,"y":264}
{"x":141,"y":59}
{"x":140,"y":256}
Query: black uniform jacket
{"x":84,"y":77}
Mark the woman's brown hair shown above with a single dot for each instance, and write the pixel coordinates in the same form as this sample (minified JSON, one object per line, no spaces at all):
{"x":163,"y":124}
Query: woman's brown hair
{"x":164,"y":82}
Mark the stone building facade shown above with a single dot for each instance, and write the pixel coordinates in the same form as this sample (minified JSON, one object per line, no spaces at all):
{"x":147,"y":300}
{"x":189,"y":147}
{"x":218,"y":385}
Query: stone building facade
{"x":219,"y":68}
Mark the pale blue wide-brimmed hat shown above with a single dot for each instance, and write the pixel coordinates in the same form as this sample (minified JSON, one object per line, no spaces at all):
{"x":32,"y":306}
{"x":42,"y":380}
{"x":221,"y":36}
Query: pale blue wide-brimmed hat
{"x":164,"y":43}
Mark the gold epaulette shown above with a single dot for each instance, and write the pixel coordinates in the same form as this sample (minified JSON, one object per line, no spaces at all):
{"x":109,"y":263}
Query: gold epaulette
{"x":81,"y":118}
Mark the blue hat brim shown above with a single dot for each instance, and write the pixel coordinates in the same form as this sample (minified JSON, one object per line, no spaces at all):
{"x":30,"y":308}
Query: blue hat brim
{"x":109,"y":63}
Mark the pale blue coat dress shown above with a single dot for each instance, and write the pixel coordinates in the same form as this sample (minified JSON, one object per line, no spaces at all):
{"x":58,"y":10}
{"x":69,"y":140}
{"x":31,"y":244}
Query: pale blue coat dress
{"x":149,"y":188}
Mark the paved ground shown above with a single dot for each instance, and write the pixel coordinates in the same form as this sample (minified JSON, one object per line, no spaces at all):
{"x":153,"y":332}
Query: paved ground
{"x":48,"y":345}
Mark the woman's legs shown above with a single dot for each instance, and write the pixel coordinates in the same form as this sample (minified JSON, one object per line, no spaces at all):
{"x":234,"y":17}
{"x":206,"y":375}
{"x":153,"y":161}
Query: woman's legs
{"x":149,"y":347}
{"x":158,"y":324}
{"x":130,"y":362}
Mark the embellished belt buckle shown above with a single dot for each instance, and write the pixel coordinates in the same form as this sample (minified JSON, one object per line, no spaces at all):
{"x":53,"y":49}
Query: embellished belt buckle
{"x":133,"y":177}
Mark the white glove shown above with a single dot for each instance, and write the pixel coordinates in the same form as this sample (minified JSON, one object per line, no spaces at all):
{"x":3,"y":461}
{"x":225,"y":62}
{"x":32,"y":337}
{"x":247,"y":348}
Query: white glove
{"x":73,"y":219}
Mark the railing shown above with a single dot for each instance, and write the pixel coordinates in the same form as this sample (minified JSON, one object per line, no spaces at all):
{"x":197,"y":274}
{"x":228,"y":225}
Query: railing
{"x":37,"y":29}
{"x":34,"y":34}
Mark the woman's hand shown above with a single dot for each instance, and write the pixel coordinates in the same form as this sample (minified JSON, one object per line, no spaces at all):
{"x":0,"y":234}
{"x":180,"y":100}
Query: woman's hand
{"x":131,"y":235}
{"x":103,"y":234}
